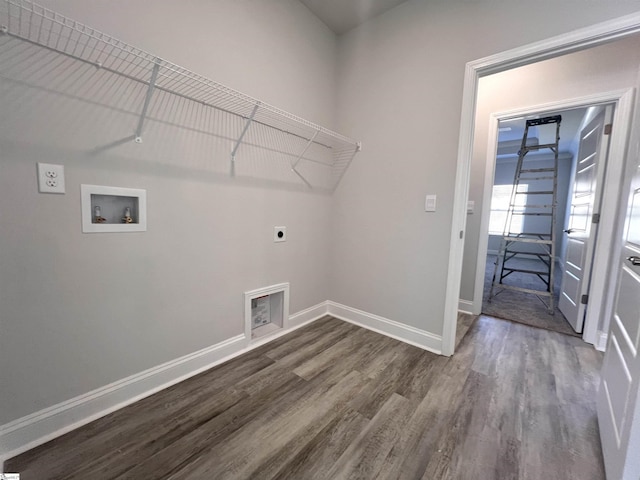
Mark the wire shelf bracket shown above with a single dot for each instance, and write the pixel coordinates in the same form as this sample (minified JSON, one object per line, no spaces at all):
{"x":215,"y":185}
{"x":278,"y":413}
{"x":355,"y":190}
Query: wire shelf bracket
{"x":300,"y":157}
{"x":239,"y":141}
{"x":326,"y":154}
{"x":147,"y":100}
{"x":357,"y":150}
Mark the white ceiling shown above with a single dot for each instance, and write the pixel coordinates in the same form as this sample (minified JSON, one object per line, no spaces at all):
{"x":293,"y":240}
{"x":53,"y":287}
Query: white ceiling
{"x":343,"y":15}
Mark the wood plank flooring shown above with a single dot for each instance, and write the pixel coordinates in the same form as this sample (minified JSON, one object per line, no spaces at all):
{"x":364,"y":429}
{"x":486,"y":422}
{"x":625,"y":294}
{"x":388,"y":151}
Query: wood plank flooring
{"x":524,"y":308}
{"x":335,"y":401}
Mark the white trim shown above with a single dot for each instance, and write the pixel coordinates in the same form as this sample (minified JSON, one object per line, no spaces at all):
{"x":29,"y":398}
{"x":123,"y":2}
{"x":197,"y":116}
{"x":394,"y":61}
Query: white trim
{"x":44,"y":425}
{"x":37,"y":428}
{"x":307,"y":315}
{"x":465,"y":306}
{"x":607,"y":249}
{"x":601,"y":342}
{"x":459,"y":219}
{"x":390,"y":328}
{"x":623,"y":100}
{"x":581,"y":39}
{"x":525,"y":55}
{"x":297,"y":320}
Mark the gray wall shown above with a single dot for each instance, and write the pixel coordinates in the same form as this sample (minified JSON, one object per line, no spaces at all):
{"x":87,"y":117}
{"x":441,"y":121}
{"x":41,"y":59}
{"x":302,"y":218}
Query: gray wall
{"x":401,"y":78}
{"x":566,"y":77}
{"x":78,"y":310}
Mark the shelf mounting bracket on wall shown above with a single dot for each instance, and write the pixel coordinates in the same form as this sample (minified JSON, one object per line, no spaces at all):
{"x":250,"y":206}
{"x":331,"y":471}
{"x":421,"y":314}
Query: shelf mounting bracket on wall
{"x":239,"y":141}
{"x":147,"y":100}
{"x":355,"y":152}
{"x":295,"y":164}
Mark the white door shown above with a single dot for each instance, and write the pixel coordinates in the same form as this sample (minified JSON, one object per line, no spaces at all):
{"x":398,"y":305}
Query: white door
{"x":581,"y":230}
{"x":618,"y":402}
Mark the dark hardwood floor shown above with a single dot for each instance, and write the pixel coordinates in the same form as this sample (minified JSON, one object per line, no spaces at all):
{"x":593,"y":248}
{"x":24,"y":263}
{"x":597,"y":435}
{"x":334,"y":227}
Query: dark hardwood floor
{"x":333,"y":400}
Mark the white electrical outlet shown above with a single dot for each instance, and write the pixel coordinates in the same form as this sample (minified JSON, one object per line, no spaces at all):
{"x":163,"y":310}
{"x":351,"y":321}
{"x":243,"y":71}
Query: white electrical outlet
{"x":50,"y":178}
{"x":279,"y":234}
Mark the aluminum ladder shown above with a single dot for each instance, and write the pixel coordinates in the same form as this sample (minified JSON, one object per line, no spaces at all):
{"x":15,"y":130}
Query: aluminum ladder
{"x":520,"y":239}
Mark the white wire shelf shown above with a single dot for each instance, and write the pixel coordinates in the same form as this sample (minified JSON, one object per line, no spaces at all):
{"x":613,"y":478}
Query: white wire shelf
{"x":315,"y":155}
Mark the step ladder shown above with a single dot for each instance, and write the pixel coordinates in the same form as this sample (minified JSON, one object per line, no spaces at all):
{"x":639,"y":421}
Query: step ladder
{"x":530,"y":226}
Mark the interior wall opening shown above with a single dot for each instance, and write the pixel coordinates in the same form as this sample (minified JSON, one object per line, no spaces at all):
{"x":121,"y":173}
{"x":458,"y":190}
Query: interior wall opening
{"x":515,"y":266}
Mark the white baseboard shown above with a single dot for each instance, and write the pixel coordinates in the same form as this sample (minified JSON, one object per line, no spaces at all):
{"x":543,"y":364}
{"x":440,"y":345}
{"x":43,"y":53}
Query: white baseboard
{"x":44,"y":425}
{"x":307,"y":315}
{"x":399,"y":331}
{"x":297,"y":320}
{"x":601,"y":341}
{"x":37,"y":428}
{"x":465,"y":306}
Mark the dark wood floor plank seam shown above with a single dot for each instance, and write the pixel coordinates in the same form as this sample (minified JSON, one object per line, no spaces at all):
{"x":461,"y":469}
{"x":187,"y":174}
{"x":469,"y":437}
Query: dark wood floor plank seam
{"x":245,"y":449}
{"x":313,"y":461}
{"x":364,"y":458}
{"x":185,"y":450}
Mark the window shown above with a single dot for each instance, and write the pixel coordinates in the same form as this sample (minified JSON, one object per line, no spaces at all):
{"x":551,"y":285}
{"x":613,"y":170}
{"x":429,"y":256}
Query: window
{"x":499,"y":207}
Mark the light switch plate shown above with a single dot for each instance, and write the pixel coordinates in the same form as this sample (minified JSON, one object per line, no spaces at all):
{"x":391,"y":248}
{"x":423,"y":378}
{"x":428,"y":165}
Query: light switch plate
{"x":50,"y":178}
{"x":430,"y":203}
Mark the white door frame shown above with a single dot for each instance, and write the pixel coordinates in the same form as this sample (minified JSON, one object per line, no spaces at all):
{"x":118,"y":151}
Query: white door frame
{"x":603,"y":258}
{"x":570,"y":42}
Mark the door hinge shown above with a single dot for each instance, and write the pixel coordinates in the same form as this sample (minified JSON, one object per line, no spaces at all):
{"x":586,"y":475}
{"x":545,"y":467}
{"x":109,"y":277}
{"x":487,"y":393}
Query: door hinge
{"x":584,"y":299}
{"x":595,"y":218}
{"x":607,"y":129}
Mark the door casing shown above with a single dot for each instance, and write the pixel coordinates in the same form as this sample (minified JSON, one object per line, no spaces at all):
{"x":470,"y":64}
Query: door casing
{"x":584,"y":239}
{"x":574,"y":41}
{"x":600,"y":288}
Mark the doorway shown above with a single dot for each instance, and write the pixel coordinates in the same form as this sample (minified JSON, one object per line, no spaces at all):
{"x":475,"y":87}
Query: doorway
{"x":529,"y":262}
{"x":596,"y":318}
{"x":585,"y":40}
{"x":617,"y":450}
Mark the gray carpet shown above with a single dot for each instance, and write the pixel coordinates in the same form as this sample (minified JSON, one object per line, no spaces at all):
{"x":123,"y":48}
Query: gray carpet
{"x":524,"y":308}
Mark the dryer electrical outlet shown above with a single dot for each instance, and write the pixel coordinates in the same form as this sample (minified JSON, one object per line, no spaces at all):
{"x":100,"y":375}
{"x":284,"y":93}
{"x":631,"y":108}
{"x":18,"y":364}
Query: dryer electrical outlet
{"x":279,"y":234}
